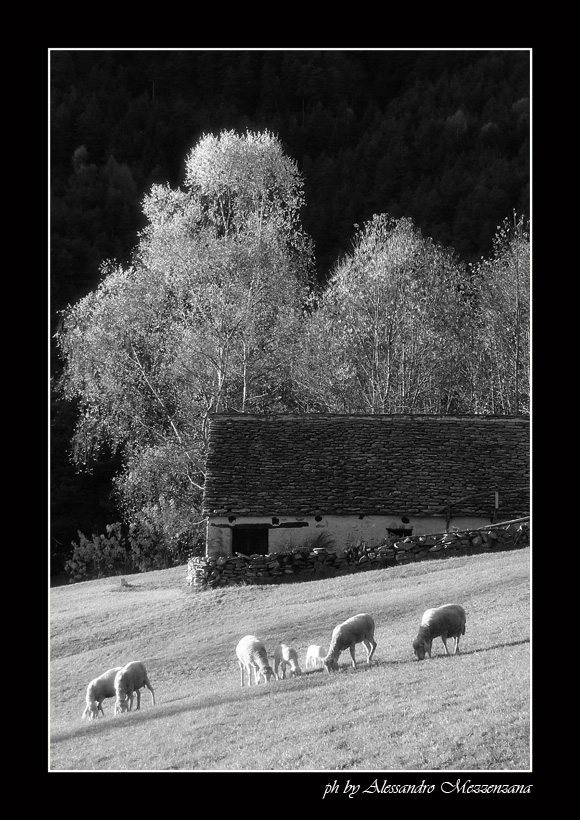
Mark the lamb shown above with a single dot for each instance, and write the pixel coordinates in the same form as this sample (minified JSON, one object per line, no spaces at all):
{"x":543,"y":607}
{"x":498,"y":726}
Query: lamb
{"x":128,"y":681}
{"x":358,"y":629}
{"x":99,"y":689}
{"x":315,"y":656}
{"x":447,"y":621}
{"x":252,"y":654}
{"x":284,"y":656}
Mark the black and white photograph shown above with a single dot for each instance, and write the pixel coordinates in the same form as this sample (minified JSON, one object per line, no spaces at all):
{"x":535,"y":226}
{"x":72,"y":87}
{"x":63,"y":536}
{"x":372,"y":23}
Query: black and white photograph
{"x":289,"y":401}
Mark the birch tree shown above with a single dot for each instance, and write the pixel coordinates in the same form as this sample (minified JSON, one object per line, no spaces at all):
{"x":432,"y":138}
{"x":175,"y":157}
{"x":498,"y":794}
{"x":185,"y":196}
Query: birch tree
{"x":376,"y":341}
{"x":245,"y":182}
{"x":201,"y":321}
{"x":504,"y":338}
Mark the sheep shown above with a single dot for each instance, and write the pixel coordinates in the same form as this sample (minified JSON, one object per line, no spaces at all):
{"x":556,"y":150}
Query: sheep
{"x":99,"y":689}
{"x":315,"y":656}
{"x":358,"y":629}
{"x":129,"y":681}
{"x":252,"y":654}
{"x":447,"y":621}
{"x":286,"y":656}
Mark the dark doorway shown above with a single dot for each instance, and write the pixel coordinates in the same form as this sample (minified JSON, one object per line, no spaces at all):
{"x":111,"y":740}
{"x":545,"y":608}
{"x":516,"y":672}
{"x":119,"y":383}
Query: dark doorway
{"x":402,"y":531}
{"x":250,"y":540}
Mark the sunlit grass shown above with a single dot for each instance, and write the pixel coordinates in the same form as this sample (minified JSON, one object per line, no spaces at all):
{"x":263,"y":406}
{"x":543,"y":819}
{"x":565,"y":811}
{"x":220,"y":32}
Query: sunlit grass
{"x":465,"y":712}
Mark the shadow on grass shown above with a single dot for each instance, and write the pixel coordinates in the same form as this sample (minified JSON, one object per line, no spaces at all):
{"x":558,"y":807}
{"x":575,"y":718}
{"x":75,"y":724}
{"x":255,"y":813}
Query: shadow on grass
{"x":378,"y":662}
{"x":441,"y":654}
{"x":479,"y":649}
{"x":174,"y":707}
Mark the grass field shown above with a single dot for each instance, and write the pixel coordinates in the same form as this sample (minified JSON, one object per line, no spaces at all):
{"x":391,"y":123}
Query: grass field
{"x":469,"y":712}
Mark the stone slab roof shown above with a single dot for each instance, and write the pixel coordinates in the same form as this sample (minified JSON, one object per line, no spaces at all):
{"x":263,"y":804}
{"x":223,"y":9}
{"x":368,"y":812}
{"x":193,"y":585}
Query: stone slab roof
{"x":296,"y":465}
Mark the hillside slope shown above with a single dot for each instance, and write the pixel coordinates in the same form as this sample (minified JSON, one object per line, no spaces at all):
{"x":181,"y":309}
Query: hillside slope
{"x":470,"y":711}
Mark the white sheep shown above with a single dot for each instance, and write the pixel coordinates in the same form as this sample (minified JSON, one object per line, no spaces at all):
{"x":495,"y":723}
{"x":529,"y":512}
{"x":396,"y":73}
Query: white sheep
{"x":99,"y":689}
{"x":128,"y":681}
{"x":447,"y":621}
{"x":284,"y":656}
{"x":358,"y":629}
{"x":314,"y":657}
{"x":252,"y":654}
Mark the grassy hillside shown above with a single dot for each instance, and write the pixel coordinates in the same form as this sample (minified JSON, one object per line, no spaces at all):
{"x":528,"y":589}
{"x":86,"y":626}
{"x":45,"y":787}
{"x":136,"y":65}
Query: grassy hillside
{"x":463,"y":713}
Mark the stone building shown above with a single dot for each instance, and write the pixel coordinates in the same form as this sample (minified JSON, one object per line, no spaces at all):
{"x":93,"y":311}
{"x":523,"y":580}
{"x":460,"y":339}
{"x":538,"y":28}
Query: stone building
{"x":278,"y":482}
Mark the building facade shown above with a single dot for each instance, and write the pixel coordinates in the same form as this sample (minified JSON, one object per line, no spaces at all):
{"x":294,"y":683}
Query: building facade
{"x":280,"y":482}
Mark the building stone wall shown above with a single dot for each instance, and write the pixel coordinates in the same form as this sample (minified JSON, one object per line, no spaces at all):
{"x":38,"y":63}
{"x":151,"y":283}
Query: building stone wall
{"x":221,"y":570}
{"x":338,"y":531}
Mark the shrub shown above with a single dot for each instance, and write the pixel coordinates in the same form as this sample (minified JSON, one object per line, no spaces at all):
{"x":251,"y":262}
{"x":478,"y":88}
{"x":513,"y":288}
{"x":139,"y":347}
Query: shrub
{"x":99,"y":556}
{"x":149,"y":551}
{"x":115,"y":553}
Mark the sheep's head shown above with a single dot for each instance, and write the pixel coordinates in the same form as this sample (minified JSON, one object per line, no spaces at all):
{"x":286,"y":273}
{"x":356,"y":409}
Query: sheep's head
{"x":268,"y":673}
{"x":91,"y":711}
{"x":331,"y":664}
{"x":121,"y":705}
{"x":421,"y":646}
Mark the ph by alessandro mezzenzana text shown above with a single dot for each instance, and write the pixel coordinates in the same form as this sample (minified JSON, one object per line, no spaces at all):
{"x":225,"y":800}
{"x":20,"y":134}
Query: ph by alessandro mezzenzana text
{"x":447,"y":787}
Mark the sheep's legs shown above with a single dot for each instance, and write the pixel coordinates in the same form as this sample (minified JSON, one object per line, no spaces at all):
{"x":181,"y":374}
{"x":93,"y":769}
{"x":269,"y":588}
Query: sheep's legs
{"x":147,"y":683}
{"x":247,"y":669}
{"x":370,"y":647}
{"x":370,"y":651}
{"x":455,"y":640}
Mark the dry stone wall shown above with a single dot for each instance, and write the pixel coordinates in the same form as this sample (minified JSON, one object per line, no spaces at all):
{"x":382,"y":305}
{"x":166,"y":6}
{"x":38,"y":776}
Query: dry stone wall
{"x":205,"y":573}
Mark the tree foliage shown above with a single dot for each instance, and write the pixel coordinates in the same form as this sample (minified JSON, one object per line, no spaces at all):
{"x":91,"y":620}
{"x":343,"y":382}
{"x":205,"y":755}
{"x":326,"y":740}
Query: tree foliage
{"x":379,"y":341}
{"x":245,"y":182}
{"x":198,"y":323}
{"x":503,"y":352}
{"x":406,"y":327}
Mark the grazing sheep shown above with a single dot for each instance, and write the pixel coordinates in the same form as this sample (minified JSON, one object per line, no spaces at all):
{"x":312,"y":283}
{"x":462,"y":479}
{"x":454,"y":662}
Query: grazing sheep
{"x":252,"y":654}
{"x":447,"y":621}
{"x":314,"y":656}
{"x":128,"y":681}
{"x":286,"y":656}
{"x":358,"y":629}
{"x":99,"y":689}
